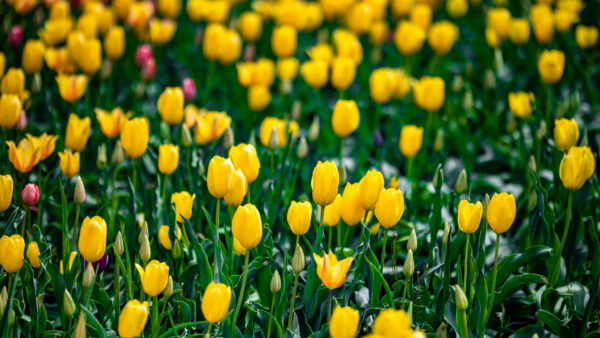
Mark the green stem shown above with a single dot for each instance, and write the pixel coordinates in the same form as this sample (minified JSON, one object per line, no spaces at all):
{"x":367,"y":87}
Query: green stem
{"x":329,"y":306}
{"x":465,"y":327}
{"x":404,"y":293}
{"x":329,"y":239}
{"x":117,"y":299}
{"x":210,"y":325}
{"x":341,"y":152}
{"x":465,"y":267}
{"x":494,"y":273}
{"x":339,"y":234}
{"x":271,"y":317}
{"x":556,"y":266}
{"x":24,"y":225}
{"x":13,"y":279}
{"x":134,"y":175}
{"x":77,"y":205}
{"x":241,"y":296}
{"x":385,"y":237}
{"x":291,"y":315}
{"x":155,"y":327}
{"x":218,"y":209}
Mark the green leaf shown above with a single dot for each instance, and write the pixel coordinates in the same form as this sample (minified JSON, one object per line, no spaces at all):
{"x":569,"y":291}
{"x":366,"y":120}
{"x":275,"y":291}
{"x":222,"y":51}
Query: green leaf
{"x":516,"y":282}
{"x":552,"y":323}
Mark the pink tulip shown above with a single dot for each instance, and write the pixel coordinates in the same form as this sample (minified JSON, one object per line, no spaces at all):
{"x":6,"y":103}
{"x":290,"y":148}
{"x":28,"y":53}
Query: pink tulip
{"x":30,"y":194}
{"x":15,"y":36}
{"x":189,"y":89}
{"x":143,"y":54}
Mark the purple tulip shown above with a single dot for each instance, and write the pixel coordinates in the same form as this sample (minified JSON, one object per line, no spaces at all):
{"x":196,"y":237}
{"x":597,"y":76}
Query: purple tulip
{"x":100,"y":265}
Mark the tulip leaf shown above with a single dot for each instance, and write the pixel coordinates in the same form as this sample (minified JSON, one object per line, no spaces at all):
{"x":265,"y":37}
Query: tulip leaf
{"x":513,"y":262}
{"x":552,"y":323}
{"x":516,"y":282}
{"x":98,"y":328}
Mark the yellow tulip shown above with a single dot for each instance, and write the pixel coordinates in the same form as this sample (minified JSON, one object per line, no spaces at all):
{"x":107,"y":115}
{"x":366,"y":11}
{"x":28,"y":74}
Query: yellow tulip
{"x":238,"y":249}
{"x":133,"y":318}
{"x":586,"y":36}
{"x":169,"y":8}
{"x":10,"y":110}
{"x":469,"y":216}
{"x":162,"y":31}
{"x":334,"y":8}
{"x":134,"y":137}
{"x":239,"y":188}
{"x":392,"y":323}
{"x":45,"y":143}
{"x":92,"y":238}
{"x":315,"y":73}
{"x":564,"y":19}
{"x":71,"y":87}
{"x":210,"y":126}
{"x":13,"y":82}
{"x":33,"y":56}
{"x":501,"y":212}
{"x":324,"y":183}
{"x":421,"y":15}
{"x":284,"y":41}
{"x":566,"y":134}
{"x":442,"y":36}
{"x":259,"y":98}
{"x":33,"y":255}
{"x":347,"y":45}
{"x":105,"y":19}
{"x":291,"y":13}
{"x":576,"y":167}
{"x":55,"y":31}
{"x":403,"y":84}
{"x":551,"y":65}
{"x":12,"y":250}
{"x":331,"y":271}
{"x":321,"y":51}
{"x":369,"y":188}
{"x":114,"y":43}
{"x":343,"y":71}
{"x":216,"y":11}
{"x":88,"y":25}
{"x":195,"y":9}
{"x":411,"y":139}
{"x":498,"y":19}
{"x":244,"y":157}
{"x":230,"y":47}
{"x":389,"y":207}
{"x":382,"y":85}
{"x":60,"y":10}
{"x":247,"y":226}
{"x":282,"y":127}
{"x":184,"y":202}
{"x":58,"y":60}
{"x":111,"y":122}
{"x":352,"y":211}
{"x":212,"y":40}
{"x":25,"y":156}
{"x":359,"y":18}
{"x":299,"y":217}
{"x":456,"y":9}
{"x":519,"y":31}
{"x":168,"y":158}
{"x":78,"y":132}
{"x":345,"y":118}
{"x":6,"y":191}
{"x":138,"y":15}
{"x":429,"y":93}
{"x":332,"y":212}
{"x":378,"y":33}
{"x":287,"y":68}
{"x":401,"y":8}
{"x":2,"y":63}
{"x":250,"y":26}
{"x":92,"y":60}
{"x":170,"y":105}
{"x":164,"y":238}
{"x":215,"y":302}
{"x":72,"y":257}
{"x":344,"y":322}
{"x":520,"y":104}
{"x":75,"y":41}
{"x":154,"y":277}
{"x":69,"y":163}
{"x":220,"y":176}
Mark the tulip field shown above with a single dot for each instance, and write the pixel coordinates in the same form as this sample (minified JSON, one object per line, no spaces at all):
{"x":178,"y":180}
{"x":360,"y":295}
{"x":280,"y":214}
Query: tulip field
{"x":299,"y":168}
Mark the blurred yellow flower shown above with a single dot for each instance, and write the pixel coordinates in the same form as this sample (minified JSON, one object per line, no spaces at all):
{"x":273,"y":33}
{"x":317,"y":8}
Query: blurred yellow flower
{"x":69,"y":163}
{"x":284,"y":41}
{"x":442,"y":36}
{"x":133,"y":318}
{"x":78,"y":132}
{"x":170,"y":105}
{"x":12,"y":251}
{"x":566,"y":133}
{"x":33,"y":56}
{"x":33,"y":255}
{"x":411,"y":139}
{"x":111,"y":122}
{"x":215,"y":302}
{"x":409,"y":38}
{"x":6,"y":191}
{"x":210,"y":126}
{"x":250,"y":26}
{"x":282,"y":127}
{"x":134,"y":137}
{"x":10,"y":110}
{"x":429,"y":93}
{"x":168,"y":158}
{"x":92,"y":238}
{"x":586,"y":36}
{"x":520,"y":103}
{"x":344,"y":322}
{"x":576,"y":167}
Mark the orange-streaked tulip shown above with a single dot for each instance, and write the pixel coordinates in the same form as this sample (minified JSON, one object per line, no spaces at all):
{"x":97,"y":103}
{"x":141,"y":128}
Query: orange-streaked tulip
{"x":45,"y":143}
{"x":324,"y":183}
{"x":244,"y":157}
{"x":184,"y":203}
{"x":576,"y":167}
{"x":501,"y":212}
{"x":134,"y":137}
{"x":351,"y":210}
{"x":78,"y":132}
{"x":133,"y":318}
{"x":389,"y":207}
{"x":71,"y":87}
{"x":215,"y":302}
{"x":331,"y":271}
{"x":168,"y":158}
{"x":566,"y":133}
{"x":469,"y":216}
{"x":220,"y":176}
{"x":24,"y":156}
{"x":111,"y":122}
{"x":299,"y":217}
{"x":69,"y":163}
{"x":345,"y":118}
{"x":247,"y":226}
{"x":411,"y":139}
{"x":369,"y":188}
{"x":154,"y":277}
{"x":12,"y":251}
{"x":92,"y":238}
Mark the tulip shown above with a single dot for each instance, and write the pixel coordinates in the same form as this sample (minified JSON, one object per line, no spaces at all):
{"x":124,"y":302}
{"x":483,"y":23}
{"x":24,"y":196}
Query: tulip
{"x":90,"y":63}
{"x":133,"y":318}
{"x":519,"y":31}
{"x":409,"y":38}
{"x":352,"y":211}
{"x":72,"y":257}
{"x":142,"y":54}
{"x":347,"y":45}
{"x":551,"y":65}
{"x":586,"y":36}
{"x":520,"y":103}
{"x":321,"y":51}
{"x":282,"y":127}
{"x":71,"y":87}
{"x":111,"y":122}
{"x":344,"y":322}
{"x":369,"y":188}
{"x":92,"y":238}
{"x":33,"y":56}
{"x":421,"y":15}
{"x":57,"y":59}
{"x":189,"y":89}
{"x":154,"y":277}
{"x":55,"y":31}
{"x":162,"y":31}
{"x":30,"y":194}
{"x":75,"y":42}
{"x":210,"y":126}
{"x":24,"y":156}
{"x":564,"y":19}
{"x":33,"y":255}
{"x":324,"y":183}
{"x":168,"y":158}
{"x":78,"y":132}
{"x":469,"y":216}
{"x":12,"y":250}
{"x":345,"y":118}
{"x":456,"y":9}
{"x":442,"y":36}
{"x":69,"y":163}
{"x":250,"y":26}
{"x":576,"y":167}
{"x":170,"y":105}
{"x":259,"y":98}
{"x":244,"y":157}
{"x":230,"y":47}
{"x":542,"y":22}
{"x":501,"y":212}
{"x":247,"y":226}
{"x":2,"y":64}
{"x":134,"y":137}
{"x":566,"y":133}
{"x":6,"y":191}
{"x":331,"y":271}
{"x":10,"y":110}
{"x":215,"y":302}
{"x":114,"y":43}
{"x":287,"y":68}
{"x":390,"y":321}
{"x":389,"y":207}
{"x":382,"y":85}
{"x":498,"y":19}
{"x":343,"y":71}
{"x":299,"y":217}
{"x":239,"y":188}
{"x":169,"y":8}
{"x":220,"y":176}
{"x":429,"y":93}
{"x":411,"y":139}
{"x":283,"y":41}
{"x":79,"y":194}
{"x":148,"y":71}
{"x":238,"y":249}
{"x":332,"y":212}
{"x":15,"y":36}
{"x":13,"y":82}
{"x":184,"y":202}
{"x":315,"y":73}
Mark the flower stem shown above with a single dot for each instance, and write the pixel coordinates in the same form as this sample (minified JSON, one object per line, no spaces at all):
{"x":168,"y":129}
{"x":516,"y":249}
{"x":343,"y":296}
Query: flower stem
{"x":465,"y":267}
{"x":494,"y":273}
{"x":291,"y":315}
{"x":13,"y":278}
{"x":77,"y":205}
{"x":241,"y":296}
{"x":404,"y":292}
{"x":385,"y":237}
{"x":556,"y":266}
{"x":217,"y":210}
{"x":155,"y":327}
{"x":271,"y":317}
{"x":207,"y":335}
{"x":117,"y":299}
{"x":464,"y":319}
{"x":329,"y":306}
{"x":23,"y":226}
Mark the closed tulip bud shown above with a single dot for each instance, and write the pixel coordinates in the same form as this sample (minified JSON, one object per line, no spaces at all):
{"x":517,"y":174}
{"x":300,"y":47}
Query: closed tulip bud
{"x":186,"y":137}
{"x":133,"y":318}
{"x":298,"y":260}
{"x":10,"y":110}
{"x":142,"y":54}
{"x":302,"y":149}
{"x":520,"y":104}
{"x":442,"y":36}
{"x":469,"y":216}
{"x":134,"y":137}
{"x":461,"y":299}
{"x":147,"y":73}
{"x":169,"y":289}
{"x":244,"y":157}
{"x":90,"y":64}
{"x":69,"y":163}
{"x":501,"y":212}
{"x":88,"y":276}
{"x":344,"y":322}
{"x":118,"y":245}
{"x":342,"y":175}
{"x":78,"y":132}
{"x":6,"y":191}
{"x":284,"y":41}
{"x":80,"y":330}
{"x":14,"y":36}
{"x":144,"y":251}
{"x":30,"y":194}
{"x":345,"y":118}
{"x":168,"y":158}
{"x":457,"y":8}
{"x":532,"y":201}
{"x":3,"y":300}
{"x":170,"y":105}
{"x":411,"y":139}
{"x":343,"y":71}
{"x":163,"y":236}
{"x":92,"y":238}
{"x":220,"y":176}
{"x":117,"y":154}
{"x":176,"y":249}
{"x":409,"y":264}
{"x":154,"y":277}
{"x":551,"y":65}
{"x":215,"y":302}
{"x":352,"y":211}
{"x":566,"y":133}
{"x":542,"y":130}
{"x":412,"y":241}
{"x":576,"y":167}
{"x":438,"y":177}
{"x":189,"y":89}
{"x":313,"y":130}
{"x":532,"y":164}
{"x":409,"y":38}
{"x":247,"y":226}
{"x":489,"y":79}
{"x":275,"y":282}
{"x":369,"y":188}
{"x":519,"y":31}
{"x":461,"y":182}
{"x":250,"y":26}
{"x":79,"y":196}
{"x":315,"y":73}
{"x":324,"y":183}
{"x":33,"y":255}
{"x":299,"y":217}
{"x":446,"y":233}
{"x":389,"y":207}
{"x":239,"y":188}
{"x":33,"y":56}
{"x":68,"y":304}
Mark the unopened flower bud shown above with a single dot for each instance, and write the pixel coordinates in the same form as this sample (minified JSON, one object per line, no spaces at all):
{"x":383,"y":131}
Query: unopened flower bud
{"x":298,"y":259}
{"x":165,"y":131}
{"x":461,"y":299}
{"x":302,"y":148}
{"x":409,"y":264}
{"x":274,"y":139}
{"x":461,"y":182}
{"x":88,"y":276}
{"x":412,"y":241}
{"x":106,"y":69}
{"x":143,"y":232}
{"x":186,"y":137}
{"x":30,"y":194}
{"x":79,"y":195}
{"x":542,"y":130}
{"x":68,"y":304}
{"x":189,"y":89}
{"x":148,"y":71}
{"x":169,"y":289}
{"x":80,"y":330}
{"x":176,"y":249}
{"x":438,"y":144}
{"x":438,"y":177}
{"x":15,"y":36}
{"x":486,"y":202}
{"x":457,"y":83}
{"x":313,"y":130}
{"x":143,"y":54}
{"x":446,"y":233}
{"x":118,"y":154}
{"x":22,"y":121}
{"x":3,"y":301}
{"x":297,"y":110}
{"x":342,"y":175}
{"x":101,"y":159}
{"x":119,"y":248}
{"x":275,"y":282}
{"x":467,"y":102}
{"x":532,"y":202}
{"x":228,"y":139}
{"x":489,"y":80}
{"x":145,"y":250}
{"x":512,"y":125}
{"x":532,"y":163}
{"x":201,"y":168}
{"x":252,"y":139}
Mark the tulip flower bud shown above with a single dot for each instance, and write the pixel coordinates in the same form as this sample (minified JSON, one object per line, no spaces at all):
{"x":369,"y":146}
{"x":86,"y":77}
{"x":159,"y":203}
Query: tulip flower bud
{"x":486,"y":202}
{"x":342,"y":175}
{"x":542,"y":130}
{"x":117,"y":155}
{"x":189,"y":89}
{"x":30,"y":194}
{"x":148,"y":71}
{"x":79,"y":196}
{"x":302,"y":148}
{"x":461,"y":182}
{"x":15,"y":36}
{"x":489,"y":79}
{"x":442,"y":331}
{"x":145,"y":250}
{"x":532,"y":163}
{"x":296,"y":110}
{"x":88,"y":276}
{"x":106,"y":69}
{"x":101,"y":159}
{"x":186,"y":137}
{"x":533,"y":199}
{"x":438,"y":144}
{"x":228,"y":139}
{"x":165,"y":131}
{"x":201,"y":168}
{"x":80,"y":330}
{"x":438,"y":177}
{"x":313,"y":130}
{"x":275,"y":282}
{"x":273,"y":140}
{"x":119,"y":248}
{"x":378,"y":138}
{"x":169,"y":289}
{"x":68,"y":304}
{"x":457,"y":83}
{"x":3,"y":301}
{"x":298,"y":259}
{"x":409,"y":264}
{"x":176,"y":249}
{"x":252,"y":139}
{"x":412,"y":241}
{"x":446,"y":233}
{"x":22,"y":121}
{"x":143,"y":232}
{"x":467,"y":103}
{"x":461,"y":299}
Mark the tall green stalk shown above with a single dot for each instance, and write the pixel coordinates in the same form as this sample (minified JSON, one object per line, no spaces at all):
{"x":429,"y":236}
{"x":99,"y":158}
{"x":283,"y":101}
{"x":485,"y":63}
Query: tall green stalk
{"x":241,"y":295}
